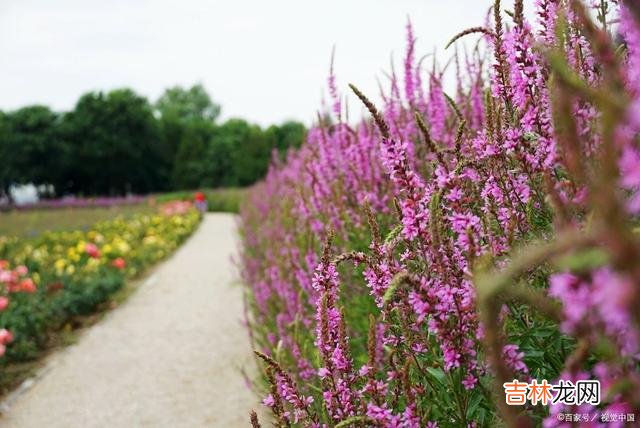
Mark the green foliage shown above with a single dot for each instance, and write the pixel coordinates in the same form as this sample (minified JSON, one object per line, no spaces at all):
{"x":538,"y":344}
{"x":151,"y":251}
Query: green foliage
{"x":225,"y":200}
{"x":187,"y":119}
{"x":187,"y":105}
{"x":289,"y":134}
{"x":234,"y":153}
{"x":207,"y":154}
{"x":29,"y":144}
{"x":117,"y":143}
{"x":190,"y":168}
{"x":114,"y":145}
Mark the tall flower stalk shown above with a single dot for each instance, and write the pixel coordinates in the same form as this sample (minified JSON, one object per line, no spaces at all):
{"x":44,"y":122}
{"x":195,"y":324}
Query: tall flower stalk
{"x":476,"y":237}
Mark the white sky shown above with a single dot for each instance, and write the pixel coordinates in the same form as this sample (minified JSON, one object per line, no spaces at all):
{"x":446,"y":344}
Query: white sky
{"x":263,"y":60}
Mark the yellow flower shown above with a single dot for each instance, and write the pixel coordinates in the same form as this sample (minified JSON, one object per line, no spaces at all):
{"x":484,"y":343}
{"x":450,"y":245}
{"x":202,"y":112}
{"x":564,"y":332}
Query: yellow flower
{"x":73,"y":255}
{"x":92,"y":265}
{"x":60,"y":264}
{"x":150,"y":240}
{"x":123,"y":247}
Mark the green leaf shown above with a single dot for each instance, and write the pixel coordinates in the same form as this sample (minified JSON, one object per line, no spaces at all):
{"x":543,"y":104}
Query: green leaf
{"x":438,"y":374}
{"x":474,"y":403}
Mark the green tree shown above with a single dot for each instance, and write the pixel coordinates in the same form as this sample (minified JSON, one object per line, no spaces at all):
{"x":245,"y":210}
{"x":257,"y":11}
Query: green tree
{"x":8,"y":164}
{"x":290,"y":134}
{"x":30,"y":148}
{"x":116,"y":145}
{"x":116,"y":142}
{"x":188,"y":104}
{"x":191,"y":169}
{"x":239,"y":153}
{"x":250,"y":151}
{"x":184,"y":115}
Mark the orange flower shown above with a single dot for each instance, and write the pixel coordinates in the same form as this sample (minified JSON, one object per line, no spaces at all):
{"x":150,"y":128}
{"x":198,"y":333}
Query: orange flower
{"x":27,"y":285}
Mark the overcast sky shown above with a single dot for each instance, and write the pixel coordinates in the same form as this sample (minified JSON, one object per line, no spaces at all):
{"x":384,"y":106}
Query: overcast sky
{"x":264,"y":60}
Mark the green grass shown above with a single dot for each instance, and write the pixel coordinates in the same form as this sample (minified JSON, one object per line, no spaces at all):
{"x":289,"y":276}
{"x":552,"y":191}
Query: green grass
{"x":219,"y":200}
{"x":31,"y":223}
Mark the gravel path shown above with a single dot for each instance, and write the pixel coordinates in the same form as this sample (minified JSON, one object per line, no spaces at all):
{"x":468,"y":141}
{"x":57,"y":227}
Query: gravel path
{"x":168,"y":357}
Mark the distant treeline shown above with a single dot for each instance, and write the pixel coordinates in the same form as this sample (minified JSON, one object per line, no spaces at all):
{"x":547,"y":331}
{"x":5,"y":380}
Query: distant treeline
{"x":118,"y":142}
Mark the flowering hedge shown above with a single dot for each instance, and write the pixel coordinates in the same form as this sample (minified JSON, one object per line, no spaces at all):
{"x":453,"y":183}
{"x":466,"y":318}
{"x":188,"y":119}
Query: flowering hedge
{"x":59,"y":275}
{"x":401,"y":270}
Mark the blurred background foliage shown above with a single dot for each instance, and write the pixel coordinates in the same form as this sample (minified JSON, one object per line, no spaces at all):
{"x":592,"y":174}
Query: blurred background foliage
{"x":118,"y":142}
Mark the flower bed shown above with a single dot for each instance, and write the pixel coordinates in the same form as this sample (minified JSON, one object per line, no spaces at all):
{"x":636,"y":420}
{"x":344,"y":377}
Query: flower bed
{"x":59,"y":275}
{"x":412,"y":270}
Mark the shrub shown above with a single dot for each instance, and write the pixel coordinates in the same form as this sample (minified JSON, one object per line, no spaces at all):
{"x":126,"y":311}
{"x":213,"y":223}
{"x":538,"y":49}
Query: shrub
{"x":399,"y":272}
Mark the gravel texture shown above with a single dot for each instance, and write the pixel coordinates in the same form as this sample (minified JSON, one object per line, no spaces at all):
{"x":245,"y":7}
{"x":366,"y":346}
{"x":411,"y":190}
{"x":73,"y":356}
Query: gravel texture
{"x":170,"y":356}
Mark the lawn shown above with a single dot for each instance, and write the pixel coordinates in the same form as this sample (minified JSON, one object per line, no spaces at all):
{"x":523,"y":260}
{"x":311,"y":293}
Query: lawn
{"x":31,"y":223}
{"x":218,"y":200}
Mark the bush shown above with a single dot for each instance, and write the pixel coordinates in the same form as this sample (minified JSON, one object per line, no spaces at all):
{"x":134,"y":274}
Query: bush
{"x":403,"y":272}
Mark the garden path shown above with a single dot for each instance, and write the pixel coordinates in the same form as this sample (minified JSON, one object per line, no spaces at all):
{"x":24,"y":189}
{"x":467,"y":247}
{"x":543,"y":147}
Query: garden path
{"x":168,"y":357}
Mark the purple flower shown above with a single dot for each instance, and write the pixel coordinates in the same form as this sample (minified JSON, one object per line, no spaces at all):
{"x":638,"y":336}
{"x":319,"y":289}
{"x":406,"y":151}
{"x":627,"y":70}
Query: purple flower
{"x":512,"y":357}
{"x":269,"y":401}
{"x":469,"y":382}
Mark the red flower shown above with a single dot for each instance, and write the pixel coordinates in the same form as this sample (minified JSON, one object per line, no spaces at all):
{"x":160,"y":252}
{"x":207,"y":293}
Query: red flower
{"x":4,"y":302}
{"x":5,"y":336}
{"x":92,"y":250}
{"x":52,"y":288}
{"x":119,"y":263}
{"x":27,"y":285}
{"x":199,"y":196}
